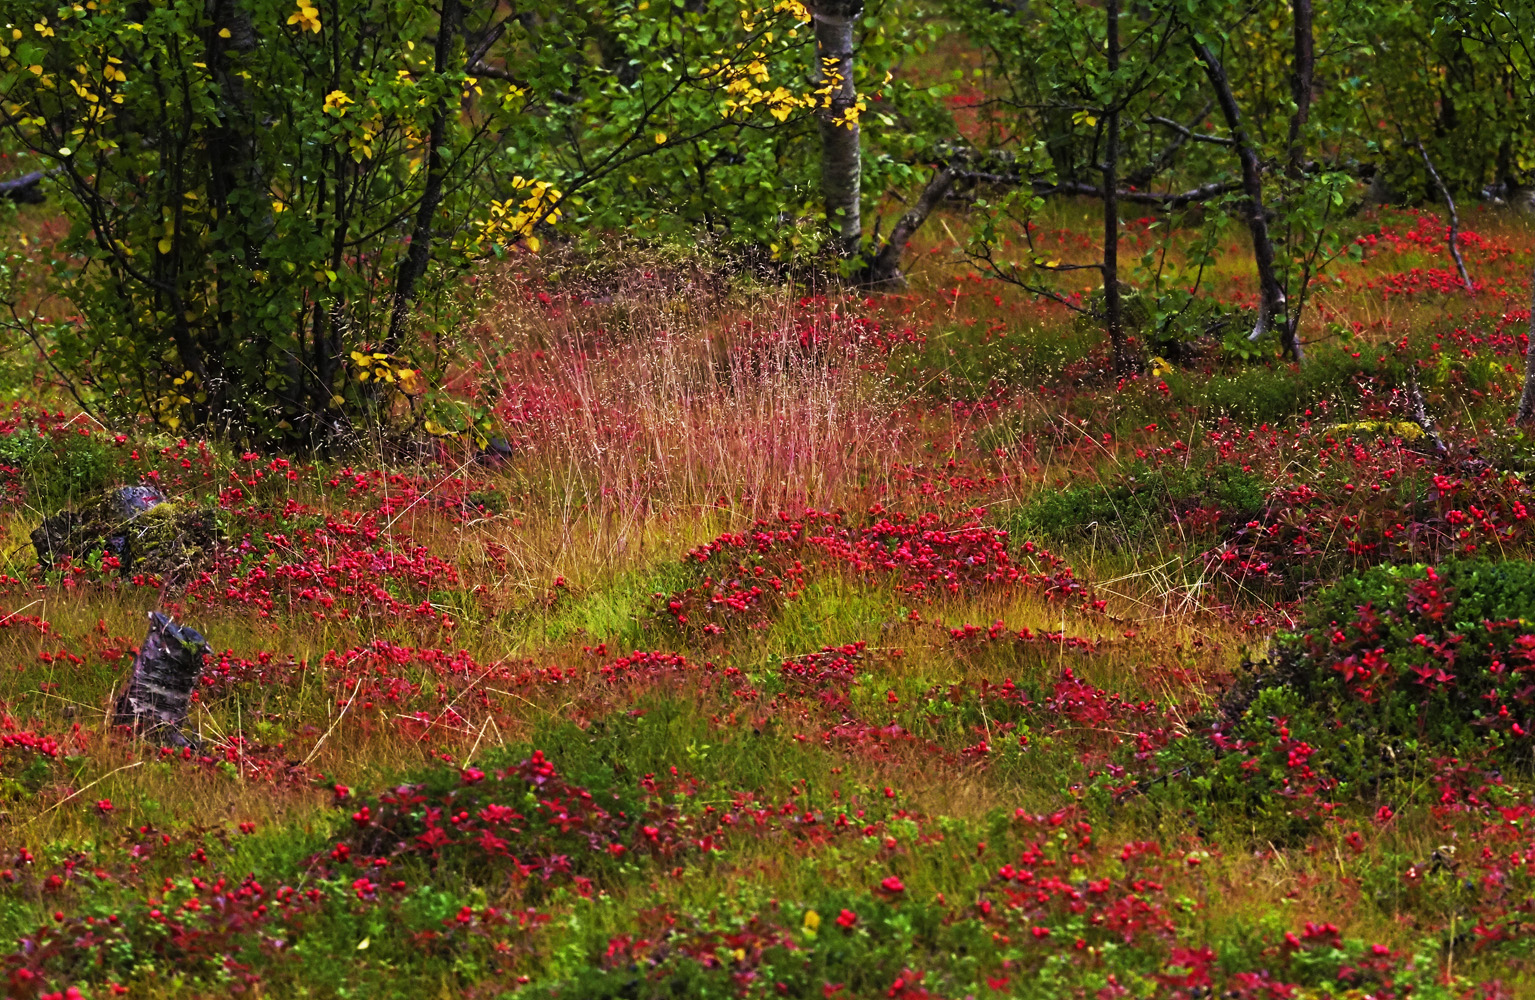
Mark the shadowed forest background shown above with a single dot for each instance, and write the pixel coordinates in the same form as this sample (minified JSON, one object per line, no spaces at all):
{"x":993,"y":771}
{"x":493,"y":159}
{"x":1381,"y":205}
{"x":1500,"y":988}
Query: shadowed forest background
{"x":714,"y":498}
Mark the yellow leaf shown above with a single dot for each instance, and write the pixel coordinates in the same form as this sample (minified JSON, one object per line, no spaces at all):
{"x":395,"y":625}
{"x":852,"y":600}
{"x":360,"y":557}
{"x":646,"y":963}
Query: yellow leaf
{"x":307,"y":17}
{"x":224,"y":33}
{"x":660,"y":138}
{"x":165,"y":244}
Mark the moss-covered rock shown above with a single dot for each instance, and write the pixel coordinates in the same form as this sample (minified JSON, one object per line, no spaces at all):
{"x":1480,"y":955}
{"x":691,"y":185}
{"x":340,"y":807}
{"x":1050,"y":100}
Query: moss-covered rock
{"x":172,"y":541}
{"x":147,"y":532}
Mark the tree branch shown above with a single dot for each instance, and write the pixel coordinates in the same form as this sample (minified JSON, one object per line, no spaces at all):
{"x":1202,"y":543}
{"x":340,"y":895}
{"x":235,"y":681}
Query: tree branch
{"x":1449,"y":201}
{"x":27,"y":188}
{"x":1188,"y":133}
{"x":1164,"y":159}
{"x":885,"y":268}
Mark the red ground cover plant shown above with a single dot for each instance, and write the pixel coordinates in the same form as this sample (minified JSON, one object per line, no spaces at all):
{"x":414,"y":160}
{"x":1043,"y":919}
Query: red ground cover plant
{"x":746,"y":577}
{"x":367,"y":592}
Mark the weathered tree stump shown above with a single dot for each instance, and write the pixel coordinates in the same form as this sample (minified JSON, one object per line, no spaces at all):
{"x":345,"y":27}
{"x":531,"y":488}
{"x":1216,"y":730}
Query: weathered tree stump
{"x":159,"y":691}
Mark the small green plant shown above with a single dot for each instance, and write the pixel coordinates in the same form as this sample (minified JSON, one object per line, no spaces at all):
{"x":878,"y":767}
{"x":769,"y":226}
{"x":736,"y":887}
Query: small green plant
{"x":59,"y":468}
{"x":1142,"y":497}
{"x":491,"y":500}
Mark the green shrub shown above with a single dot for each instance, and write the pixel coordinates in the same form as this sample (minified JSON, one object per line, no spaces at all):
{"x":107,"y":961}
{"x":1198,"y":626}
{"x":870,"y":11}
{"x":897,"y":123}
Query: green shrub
{"x":1394,"y":674}
{"x":1173,"y":326}
{"x":266,"y":231}
{"x":1141,"y":497}
{"x":58,"y":469}
{"x":1392,"y":668}
{"x":1436,"y":654}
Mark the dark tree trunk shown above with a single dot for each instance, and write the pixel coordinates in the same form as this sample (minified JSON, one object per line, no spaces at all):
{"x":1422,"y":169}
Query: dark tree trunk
{"x":1113,"y":312}
{"x":413,"y":266}
{"x":236,"y":181}
{"x":1273,"y":308}
{"x":1301,"y":74}
{"x":1503,"y":168}
{"x":885,"y":268}
{"x":1061,"y":143}
{"x":1525,"y":416}
{"x":841,"y":163}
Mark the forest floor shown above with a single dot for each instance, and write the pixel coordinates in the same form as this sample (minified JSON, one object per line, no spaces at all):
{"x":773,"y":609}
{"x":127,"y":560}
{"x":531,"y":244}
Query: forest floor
{"x":818,"y":646}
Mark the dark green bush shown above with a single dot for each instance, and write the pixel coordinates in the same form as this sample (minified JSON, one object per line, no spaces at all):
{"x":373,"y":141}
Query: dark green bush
{"x":1274,"y":395}
{"x":1393,"y":668}
{"x":1395,"y":674}
{"x":1433,"y":654}
{"x":1141,"y":497}
{"x":1175,"y":326}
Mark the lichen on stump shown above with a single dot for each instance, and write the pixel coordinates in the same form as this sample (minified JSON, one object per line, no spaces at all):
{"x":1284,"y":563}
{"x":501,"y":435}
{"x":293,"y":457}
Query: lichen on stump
{"x":146,"y":531}
{"x":165,"y":672}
